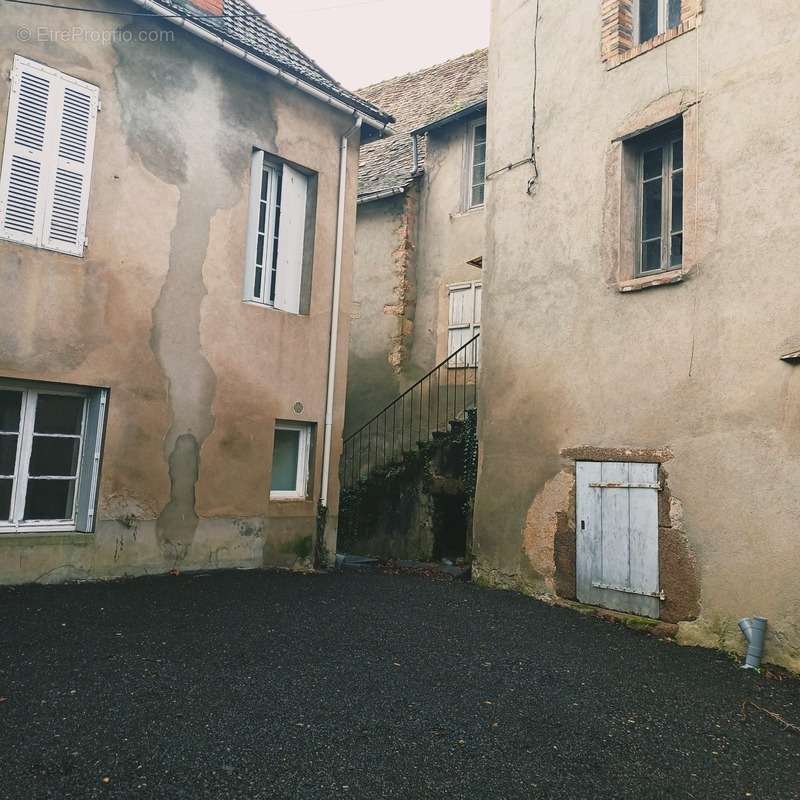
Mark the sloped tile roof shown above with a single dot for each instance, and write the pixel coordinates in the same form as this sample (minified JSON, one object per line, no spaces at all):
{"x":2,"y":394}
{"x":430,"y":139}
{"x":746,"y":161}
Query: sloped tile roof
{"x":241,"y":25}
{"x":416,"y":100}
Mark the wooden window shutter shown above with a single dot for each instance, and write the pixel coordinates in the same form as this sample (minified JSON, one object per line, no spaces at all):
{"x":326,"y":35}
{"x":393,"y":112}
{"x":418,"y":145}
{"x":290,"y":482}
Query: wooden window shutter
{"x":24,"y":152}
{"x":91,"y":454}
{"x":291,"y":238}
{"x":47,"y":158}
{"x":72,"y":150}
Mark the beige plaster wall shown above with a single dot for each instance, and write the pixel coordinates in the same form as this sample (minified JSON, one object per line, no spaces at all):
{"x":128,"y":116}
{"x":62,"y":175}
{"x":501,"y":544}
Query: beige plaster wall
{"x":154,"y":310}
{"x":409,"y":248}
{"x":569,"y":360}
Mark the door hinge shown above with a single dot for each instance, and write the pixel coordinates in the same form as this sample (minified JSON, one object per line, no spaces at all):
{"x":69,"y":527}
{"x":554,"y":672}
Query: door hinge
{"x":627,"y":590}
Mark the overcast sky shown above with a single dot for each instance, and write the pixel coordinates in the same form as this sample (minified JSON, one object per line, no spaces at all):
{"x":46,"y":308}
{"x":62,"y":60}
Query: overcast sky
{"x":365,"y":41}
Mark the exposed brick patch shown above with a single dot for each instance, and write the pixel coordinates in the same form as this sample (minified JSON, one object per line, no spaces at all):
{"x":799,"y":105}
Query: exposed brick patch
{"x":565,"y":555}
{"x":212,"y":7}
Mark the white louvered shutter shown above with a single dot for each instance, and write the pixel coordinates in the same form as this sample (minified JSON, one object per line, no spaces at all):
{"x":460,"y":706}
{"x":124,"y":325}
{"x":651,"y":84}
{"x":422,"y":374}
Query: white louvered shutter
{"x":24,"y":152}
{"x":72,"y":148}
{"x":291,"y":239}
{"x":47,"y":158}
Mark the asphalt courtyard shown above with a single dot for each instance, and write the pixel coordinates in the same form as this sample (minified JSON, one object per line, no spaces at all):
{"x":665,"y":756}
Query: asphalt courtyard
{"x":272,"y":685}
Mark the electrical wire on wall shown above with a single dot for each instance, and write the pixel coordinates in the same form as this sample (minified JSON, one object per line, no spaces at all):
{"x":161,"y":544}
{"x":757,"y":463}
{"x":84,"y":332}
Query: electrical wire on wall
{"x":531,"y":159}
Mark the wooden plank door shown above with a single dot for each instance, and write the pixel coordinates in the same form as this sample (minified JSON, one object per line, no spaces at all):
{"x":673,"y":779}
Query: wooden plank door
{"x":617,"y":536}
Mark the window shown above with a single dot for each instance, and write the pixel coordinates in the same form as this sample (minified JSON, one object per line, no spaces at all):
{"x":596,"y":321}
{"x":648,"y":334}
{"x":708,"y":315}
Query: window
{"x":276,"y":234}
{"x":661,"y":201}
{"x":290,"y":461}
{"x":655,"y":16}
{"x":476,"y":170}
{"x":50,"y":445}
{"x":47,"y":158}
{"x":464,"y":323}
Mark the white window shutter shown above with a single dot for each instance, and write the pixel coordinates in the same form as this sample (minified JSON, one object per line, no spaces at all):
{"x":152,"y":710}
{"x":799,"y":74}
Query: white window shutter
{"x":24,"y":170}
{"x":291,"y":238}
{"x":71,"y":155}
{"x":90,"y":462}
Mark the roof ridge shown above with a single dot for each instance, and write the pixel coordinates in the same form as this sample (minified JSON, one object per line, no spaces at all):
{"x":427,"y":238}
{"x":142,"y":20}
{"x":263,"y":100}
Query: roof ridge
{"x":417,"y":72}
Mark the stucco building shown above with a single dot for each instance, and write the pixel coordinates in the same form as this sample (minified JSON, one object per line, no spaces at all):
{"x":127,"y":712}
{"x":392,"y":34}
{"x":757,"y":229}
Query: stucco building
{"x":177,"y":217}
{"x":419,"y":231}
{"x":639,"y":408}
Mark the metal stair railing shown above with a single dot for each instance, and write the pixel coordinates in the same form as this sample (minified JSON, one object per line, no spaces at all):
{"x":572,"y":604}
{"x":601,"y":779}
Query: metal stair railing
{"x":442,"y":396}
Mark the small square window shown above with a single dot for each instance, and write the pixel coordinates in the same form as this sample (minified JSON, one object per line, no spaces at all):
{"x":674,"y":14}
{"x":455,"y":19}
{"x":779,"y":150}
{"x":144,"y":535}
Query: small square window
{"x":290,"y":461}
{"x":652,"y":17}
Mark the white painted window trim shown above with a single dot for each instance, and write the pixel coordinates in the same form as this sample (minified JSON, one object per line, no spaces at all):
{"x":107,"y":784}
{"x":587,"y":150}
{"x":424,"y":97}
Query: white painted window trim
{"x":279,"y":273}
{"x":303,"y":461}
{"x":667,"y":233}
{"x":470,"y":359}
{"x":25,"y":435}
{"x":663,"y":13}
{"x":470,"y":165}
{"x":50,"y":160}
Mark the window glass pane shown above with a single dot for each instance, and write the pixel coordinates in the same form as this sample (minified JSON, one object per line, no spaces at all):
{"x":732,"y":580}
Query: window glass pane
{"x":58,"y":414}
{"x":651,"y":210}
{"x":651,"y":256}
{"x":478,"y":193}
{"x":51,"y":456}
{"x":480,"y":154}
{"x":677,"y":154}
{"x":8,"y":454}
{"x":480,"y":135}
{"x":648,"y":19}
{"x":651,"y":163}
{"x":285,"y":456}
{"x":5,"y":499}
{"x":50,"y":499}
{"x":677,"y":202}
{"x":10,"y":404}
{"x":676,"y":254}
{"x":673,"y":13}
{"x":265,"y":185}
{"x":262,"y":217}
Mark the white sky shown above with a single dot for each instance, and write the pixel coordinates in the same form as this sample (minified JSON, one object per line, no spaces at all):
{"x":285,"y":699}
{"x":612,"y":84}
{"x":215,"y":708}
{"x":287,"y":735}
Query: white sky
{"x":365,"y":41}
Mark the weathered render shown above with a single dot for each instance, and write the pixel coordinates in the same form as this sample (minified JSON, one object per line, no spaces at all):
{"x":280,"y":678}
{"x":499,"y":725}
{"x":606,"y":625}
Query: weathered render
{"x":414,"y":233}
{"x":584,"y":362}
{"x":154,"y":309}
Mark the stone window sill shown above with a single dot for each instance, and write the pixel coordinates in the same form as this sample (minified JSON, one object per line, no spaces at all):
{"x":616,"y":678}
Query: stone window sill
{"x":673,"y":33}
{"x":46,"y":538}
{"x":650,"y":281}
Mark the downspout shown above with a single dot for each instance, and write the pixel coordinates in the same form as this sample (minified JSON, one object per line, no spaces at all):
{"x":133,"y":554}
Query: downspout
{"x":754,"y":630}
{"x":337,"y":290}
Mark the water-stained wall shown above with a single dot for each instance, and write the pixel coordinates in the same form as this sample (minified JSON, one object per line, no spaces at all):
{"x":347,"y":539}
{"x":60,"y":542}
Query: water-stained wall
{"x":571,"y":361}
{"x":154,"y":309}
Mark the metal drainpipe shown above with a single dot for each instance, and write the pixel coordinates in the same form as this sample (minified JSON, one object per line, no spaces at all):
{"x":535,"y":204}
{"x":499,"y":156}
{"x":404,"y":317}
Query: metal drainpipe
{"x":754,"y":630}
{"x":337,"y":287}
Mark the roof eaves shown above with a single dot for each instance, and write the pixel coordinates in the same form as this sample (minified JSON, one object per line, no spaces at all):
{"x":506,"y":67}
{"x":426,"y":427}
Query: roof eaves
{"x":371,"y":114}
{"x":467,"y":111}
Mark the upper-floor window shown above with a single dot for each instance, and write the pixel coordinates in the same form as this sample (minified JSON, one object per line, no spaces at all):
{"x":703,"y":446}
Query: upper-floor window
{"x":476,"y":163}
{"x":652,"y":17}
{"x":276,"y":234}
{"x":464,"y":322}
{"x":661,"y":200}
{"x":50,"y":447}
{"x":47,"y":158}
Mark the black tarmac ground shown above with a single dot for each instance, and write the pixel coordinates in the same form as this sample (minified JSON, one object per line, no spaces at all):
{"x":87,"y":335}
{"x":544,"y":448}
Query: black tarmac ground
{"x":270,"y":685}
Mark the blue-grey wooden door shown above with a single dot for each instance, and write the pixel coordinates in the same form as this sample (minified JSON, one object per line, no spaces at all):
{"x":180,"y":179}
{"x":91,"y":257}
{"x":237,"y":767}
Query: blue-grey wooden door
{"x":617,"y":536}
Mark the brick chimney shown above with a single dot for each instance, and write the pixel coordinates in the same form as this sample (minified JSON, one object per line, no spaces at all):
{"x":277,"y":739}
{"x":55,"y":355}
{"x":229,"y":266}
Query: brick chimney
{"x":212,"y":8}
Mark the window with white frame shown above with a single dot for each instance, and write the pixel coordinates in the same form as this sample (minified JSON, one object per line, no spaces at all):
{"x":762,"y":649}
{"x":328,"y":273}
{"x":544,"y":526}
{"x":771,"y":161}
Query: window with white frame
{"x":50,"y":447}
{"x":290,"y":461}
{"x":276,"y":234}
{"x":652,"y":17}
{"x":661,"y":200}
{"x":464,"y":323}
{"x":47,"y":158}
{"x":476,"y":163}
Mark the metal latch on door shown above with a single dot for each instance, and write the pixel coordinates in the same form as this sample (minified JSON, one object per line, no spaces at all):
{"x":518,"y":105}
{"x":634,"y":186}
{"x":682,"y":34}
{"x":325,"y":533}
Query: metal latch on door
{"x":627,"y":590}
